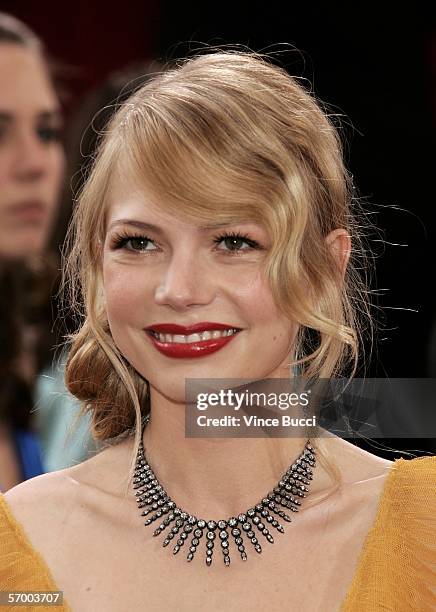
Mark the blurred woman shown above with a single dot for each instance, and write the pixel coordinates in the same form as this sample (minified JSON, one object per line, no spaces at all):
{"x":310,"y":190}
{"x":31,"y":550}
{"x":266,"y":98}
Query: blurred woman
{"x":31,"y":174}
{"x":31,"y":154}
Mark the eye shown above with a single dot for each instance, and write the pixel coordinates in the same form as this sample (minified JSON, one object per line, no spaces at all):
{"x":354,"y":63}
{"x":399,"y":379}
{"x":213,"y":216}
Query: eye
{"x":133,"y":243}
{"x":234,"y":241}
{"x":49,"y":134}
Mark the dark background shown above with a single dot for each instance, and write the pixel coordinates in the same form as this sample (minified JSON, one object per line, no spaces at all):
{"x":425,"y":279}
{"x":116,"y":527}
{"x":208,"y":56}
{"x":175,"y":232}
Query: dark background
{"x":374,"y":63}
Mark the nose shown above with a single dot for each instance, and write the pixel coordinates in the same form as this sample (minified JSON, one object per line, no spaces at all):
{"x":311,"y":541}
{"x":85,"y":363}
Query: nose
{"x":30,"y":163}
{"x":185,"y":282}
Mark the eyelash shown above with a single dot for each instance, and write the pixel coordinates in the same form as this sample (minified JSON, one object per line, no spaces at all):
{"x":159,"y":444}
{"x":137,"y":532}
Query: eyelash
{"x":46,"y":134}
{"x":49,"y":134}
{"x":121,"y":240}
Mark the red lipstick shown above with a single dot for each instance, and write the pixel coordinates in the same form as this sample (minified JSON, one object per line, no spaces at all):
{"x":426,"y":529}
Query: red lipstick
{"x":192,"y":349}
{"x":172,"y":328}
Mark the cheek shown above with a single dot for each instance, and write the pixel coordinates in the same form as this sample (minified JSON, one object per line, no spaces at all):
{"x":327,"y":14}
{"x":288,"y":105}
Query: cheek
{"x":276,"y":331}
{"x":258,"y":300}
{"x":57,"y":168}
{"x":124,"y":295}
{"x":5,"y":167}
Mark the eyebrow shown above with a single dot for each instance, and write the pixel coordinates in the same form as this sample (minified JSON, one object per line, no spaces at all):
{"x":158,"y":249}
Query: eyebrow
{"x":159,"y":230}
{"x":7,"y":117}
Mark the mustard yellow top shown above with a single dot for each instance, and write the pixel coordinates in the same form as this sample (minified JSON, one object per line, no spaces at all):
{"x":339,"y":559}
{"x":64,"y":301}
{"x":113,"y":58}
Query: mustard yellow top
{"x":395,"y":572}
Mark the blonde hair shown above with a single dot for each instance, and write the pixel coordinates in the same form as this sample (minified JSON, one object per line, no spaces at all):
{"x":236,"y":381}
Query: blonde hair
{"x":222,"y":137}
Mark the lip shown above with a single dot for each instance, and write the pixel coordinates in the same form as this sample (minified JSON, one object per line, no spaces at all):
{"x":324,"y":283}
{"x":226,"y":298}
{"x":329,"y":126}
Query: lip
{"x":33,"y":210}
{"x":191,"y":350}
{"x":172,"y":328}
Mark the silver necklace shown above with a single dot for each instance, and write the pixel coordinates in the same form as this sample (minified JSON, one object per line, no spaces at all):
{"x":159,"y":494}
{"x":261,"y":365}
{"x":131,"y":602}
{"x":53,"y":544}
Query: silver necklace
{"x":151,"y":495}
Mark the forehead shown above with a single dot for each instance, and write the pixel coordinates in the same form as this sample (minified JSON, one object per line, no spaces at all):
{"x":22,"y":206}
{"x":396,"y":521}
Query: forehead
{"x":23,"y":71}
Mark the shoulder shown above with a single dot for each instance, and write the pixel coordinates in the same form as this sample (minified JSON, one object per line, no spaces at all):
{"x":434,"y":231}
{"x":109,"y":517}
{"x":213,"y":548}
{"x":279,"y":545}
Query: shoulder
{"x":405,"y":528}
{"x":411,"y":492}
{"x":46,"y":503}
{"x":407,"y":513}
{"x":26,"y":522}
{"x":406,"y":522}
{"x":38,"y":488}
{"x":401,"y":478}
{"x":40,"y":502}
{"x":356,"y":467}
{"x":420,"y":472}
{"x":41,"y":519}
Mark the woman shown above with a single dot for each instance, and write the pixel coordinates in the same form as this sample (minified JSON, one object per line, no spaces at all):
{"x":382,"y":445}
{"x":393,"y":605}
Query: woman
{"x":218,"y":199}
{"x":31,"y":173}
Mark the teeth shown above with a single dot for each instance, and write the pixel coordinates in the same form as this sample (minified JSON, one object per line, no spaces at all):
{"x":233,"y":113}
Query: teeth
{"x":179,"y":338}
{"x":193,"y":338}
{"x":206,"y":335}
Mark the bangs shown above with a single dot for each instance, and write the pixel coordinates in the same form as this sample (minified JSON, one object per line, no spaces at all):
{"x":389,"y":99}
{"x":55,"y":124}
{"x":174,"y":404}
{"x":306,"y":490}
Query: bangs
{"x":197,"y":166}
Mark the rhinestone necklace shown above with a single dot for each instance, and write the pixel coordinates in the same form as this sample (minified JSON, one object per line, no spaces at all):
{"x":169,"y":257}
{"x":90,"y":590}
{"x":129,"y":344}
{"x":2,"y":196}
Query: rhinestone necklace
{"x":151,"y":495}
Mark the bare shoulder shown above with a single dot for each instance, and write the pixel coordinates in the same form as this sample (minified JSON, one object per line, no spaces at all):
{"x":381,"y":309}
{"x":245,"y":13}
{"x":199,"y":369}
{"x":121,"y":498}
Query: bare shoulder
{"x":54,"y":510}
{"x":40,"y":506}
{"x":35,"y":491}
{"x":357,"y":466}
{"x":52,"y":493}
{"x":361,"y":463}
{"x":39,"y":492}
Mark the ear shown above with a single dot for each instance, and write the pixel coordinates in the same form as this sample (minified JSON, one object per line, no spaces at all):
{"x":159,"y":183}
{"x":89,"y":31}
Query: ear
{"x":339,"y":243}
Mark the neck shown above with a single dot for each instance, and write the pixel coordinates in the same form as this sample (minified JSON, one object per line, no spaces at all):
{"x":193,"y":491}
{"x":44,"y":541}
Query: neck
{"x":215,"y":477}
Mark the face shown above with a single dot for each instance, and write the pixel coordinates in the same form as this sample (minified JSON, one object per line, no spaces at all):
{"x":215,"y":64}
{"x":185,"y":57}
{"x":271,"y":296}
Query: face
{"x":31,"y":156}
{"x":181,"y":274}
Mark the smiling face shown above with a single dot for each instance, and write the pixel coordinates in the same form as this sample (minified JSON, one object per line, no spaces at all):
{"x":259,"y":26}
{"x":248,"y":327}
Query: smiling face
{"x":183,"y":274}
{"x":31,"y":156}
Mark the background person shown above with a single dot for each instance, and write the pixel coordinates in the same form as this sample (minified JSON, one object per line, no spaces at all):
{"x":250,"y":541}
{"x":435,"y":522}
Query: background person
{"x":31,"y":174}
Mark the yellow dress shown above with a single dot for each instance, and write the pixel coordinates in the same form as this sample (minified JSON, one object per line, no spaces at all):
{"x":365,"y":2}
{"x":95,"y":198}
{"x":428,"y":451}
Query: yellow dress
{"x":395,"y":571}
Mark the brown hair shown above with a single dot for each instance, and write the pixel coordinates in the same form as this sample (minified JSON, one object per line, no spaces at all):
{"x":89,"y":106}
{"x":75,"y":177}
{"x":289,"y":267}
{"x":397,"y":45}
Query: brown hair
{"x":25,"y":289}
{"x":12,"y":30}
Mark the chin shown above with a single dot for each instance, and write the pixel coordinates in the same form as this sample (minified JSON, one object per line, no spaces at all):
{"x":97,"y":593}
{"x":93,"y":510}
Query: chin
{"x":33,"y":249}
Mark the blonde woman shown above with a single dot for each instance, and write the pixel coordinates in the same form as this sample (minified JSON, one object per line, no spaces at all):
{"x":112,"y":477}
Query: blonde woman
{"x":218,"y":205}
